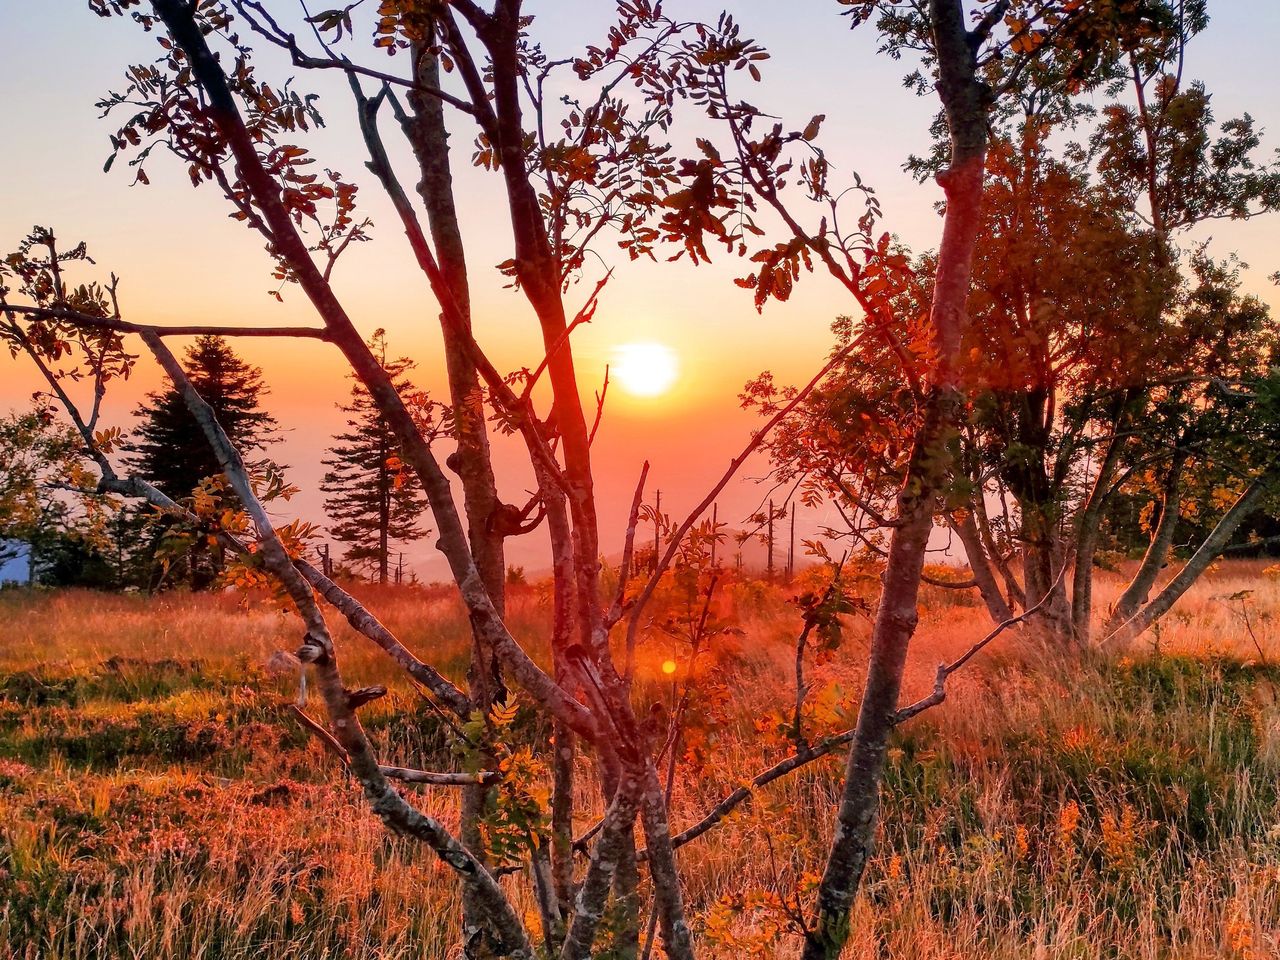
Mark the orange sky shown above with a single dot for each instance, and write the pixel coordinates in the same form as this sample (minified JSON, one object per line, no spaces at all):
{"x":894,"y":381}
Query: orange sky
{"x":183,"y":261}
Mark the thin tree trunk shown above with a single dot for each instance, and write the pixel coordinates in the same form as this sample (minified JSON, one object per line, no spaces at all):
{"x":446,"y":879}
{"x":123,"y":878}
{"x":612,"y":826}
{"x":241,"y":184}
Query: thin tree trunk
{"x":668,"y":897}
{"x":1042,"y":564}
{"x":606,"y":857}
{"x":1017,"y":596}
{"x":967,"y":530}
{"x":384,"y":519}
{"x":1209,"y":551}
{"x":1157,"y":554}
{"x":1087,"y":531}
{"x":428,"y":137}
{"x":965,"y":104}
{"x":626,"y":894}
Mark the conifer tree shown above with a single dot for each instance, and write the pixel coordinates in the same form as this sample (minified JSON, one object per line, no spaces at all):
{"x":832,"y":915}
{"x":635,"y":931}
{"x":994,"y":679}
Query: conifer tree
{"x":371,"y":506}
{"x":169,"y":448}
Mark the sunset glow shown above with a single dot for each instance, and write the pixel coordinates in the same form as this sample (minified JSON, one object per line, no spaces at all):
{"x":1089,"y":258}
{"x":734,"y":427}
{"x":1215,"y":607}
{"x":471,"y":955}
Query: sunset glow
{"x":645,"y":369}
{"x":736,"y":479}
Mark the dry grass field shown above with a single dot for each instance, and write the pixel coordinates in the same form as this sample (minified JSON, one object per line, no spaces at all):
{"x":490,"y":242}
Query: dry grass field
{"x":157,"y":801}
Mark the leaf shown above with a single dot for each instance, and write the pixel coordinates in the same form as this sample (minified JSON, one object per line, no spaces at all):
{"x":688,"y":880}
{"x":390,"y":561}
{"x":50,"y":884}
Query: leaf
{"x":504,"y":714}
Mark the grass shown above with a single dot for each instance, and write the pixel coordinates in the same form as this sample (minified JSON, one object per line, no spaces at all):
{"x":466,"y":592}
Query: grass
{"x":156,"y":801}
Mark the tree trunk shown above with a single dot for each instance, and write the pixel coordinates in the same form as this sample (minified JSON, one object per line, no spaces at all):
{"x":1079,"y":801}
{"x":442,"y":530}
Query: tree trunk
{"x":967,"y":530}
{"x":428,"y":136}
{"x":384,"y":519}
{"x":965,"y":103}
{"x":1042,"y":562}
{"x":1086,"y":536}
{"x":1017,"y":596}
{"x":1157,"y":554}
{"x":1209,"y":551}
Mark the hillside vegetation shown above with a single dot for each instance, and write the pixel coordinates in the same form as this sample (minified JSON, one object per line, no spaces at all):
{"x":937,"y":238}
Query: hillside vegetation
{"x":158,"y":800}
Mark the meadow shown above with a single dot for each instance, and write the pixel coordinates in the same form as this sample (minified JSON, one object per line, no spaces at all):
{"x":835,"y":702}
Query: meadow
{"x":157,"y":800}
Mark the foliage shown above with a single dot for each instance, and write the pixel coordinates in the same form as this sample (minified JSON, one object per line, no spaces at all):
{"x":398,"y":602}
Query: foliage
{"x":572,"y":165}
{"x":47,"y":493}
{"x":1100,"y":357}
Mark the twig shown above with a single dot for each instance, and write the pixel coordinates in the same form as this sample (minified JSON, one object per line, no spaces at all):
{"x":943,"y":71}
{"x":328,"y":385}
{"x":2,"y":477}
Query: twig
{"x":584,"y":315}
{"x":124,"y":326}
{"x":624,"y":567}
{"x":744,"y":792}
{"x":600,"y":395}
{"x":403,"y":774}
{"x":752,"y":446}
{"x":945,"y":670}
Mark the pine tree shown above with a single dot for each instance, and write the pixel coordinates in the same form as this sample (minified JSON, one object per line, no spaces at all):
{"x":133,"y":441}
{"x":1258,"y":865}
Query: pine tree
{"x":170,"y":449}
{"x":370,"y":505}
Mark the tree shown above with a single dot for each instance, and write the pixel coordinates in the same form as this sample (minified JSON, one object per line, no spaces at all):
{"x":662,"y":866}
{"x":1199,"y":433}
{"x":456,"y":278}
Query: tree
{"x":607,"y":176}
{"x":974,"y":57}
{"x":168,"y":448}
{"x":1097,"y":349}
{"x":368,"y":499}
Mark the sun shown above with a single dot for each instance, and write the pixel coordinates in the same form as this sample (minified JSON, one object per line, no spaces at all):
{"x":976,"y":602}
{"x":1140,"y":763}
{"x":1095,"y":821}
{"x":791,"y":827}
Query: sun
{"x":645,"y":369}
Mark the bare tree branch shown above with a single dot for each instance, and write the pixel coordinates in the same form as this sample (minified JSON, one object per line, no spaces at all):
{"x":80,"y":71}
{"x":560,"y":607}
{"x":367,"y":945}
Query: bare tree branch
{"x":939,"y":693}
{"x":123,"y":326}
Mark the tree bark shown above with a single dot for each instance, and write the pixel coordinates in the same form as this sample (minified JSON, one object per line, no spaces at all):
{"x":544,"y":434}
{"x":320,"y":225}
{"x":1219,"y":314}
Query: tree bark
{"x":965,"y":103}
{"x":428,"y":136}
{"x":1086,"y":534}
{"x":1016,"y":595}
{"x":1042,"y":562}
{"x":1157,"y":553}
{"x":967,"y":530}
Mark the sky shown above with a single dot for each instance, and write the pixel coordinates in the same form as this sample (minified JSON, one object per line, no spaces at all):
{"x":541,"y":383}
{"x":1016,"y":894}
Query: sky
{"x":182,"y":260}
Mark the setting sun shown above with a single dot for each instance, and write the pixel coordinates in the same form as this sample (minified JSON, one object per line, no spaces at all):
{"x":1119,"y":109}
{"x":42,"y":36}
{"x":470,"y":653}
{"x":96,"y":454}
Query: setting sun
{"x":645,"y":369}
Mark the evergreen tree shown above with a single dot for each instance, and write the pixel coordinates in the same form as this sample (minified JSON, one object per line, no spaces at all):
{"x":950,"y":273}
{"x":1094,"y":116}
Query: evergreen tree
{"x":371,"y":506}
{"x":170,"y":449}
